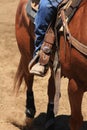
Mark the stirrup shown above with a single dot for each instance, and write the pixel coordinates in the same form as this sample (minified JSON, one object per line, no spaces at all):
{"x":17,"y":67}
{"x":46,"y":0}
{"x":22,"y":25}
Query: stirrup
{"x":33,"y":61}
{"x":39,"y":69}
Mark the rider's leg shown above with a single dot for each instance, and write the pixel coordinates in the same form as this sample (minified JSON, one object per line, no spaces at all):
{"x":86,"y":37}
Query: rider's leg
{"x":46,"y":12}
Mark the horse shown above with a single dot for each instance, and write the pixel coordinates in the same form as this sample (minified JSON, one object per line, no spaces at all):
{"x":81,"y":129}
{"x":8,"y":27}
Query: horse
{"x":73,"y":63}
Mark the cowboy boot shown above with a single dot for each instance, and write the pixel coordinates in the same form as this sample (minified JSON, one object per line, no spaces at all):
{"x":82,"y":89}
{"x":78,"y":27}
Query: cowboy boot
{"x":41,"y":67}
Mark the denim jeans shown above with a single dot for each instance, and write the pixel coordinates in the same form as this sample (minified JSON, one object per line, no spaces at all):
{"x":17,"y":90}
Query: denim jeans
{"x":46,"y":12}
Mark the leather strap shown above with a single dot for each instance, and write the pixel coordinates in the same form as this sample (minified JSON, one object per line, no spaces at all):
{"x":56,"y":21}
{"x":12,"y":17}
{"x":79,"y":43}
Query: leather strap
{"x":46,"y":47}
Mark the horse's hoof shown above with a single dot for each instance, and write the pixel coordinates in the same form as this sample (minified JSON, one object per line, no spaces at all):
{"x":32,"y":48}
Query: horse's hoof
{"x":29,"y":121}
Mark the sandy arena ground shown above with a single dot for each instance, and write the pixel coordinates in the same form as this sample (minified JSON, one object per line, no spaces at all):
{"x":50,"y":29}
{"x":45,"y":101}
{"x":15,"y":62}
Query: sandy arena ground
{"x":12,"y":109}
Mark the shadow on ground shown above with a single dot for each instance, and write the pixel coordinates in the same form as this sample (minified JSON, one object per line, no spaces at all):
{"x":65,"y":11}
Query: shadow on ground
{"x":61,"y":123}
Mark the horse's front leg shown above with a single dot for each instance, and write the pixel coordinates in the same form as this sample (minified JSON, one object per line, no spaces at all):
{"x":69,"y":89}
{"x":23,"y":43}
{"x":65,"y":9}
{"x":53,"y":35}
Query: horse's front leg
{"x":75,"y":98}
{"x":50,"y":108}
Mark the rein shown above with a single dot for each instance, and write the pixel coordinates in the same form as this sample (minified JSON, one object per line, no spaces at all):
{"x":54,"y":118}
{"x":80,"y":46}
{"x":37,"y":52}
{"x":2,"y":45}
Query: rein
{"x":73,"y":41}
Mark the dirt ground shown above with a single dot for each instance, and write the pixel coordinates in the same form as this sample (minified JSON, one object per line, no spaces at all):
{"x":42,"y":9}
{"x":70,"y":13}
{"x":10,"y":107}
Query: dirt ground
{"x":12,"y":109}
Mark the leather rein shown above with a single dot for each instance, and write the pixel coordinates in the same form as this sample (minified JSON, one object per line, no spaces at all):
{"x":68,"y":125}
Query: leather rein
{"x":73,"y":41}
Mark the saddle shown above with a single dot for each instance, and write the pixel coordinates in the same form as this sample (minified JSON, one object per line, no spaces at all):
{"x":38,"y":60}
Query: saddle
{"x":69,"y":8}
{"x":32,"y":8}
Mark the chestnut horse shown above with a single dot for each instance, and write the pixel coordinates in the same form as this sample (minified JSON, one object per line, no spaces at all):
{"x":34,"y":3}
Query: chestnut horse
{"x":73,"y":63}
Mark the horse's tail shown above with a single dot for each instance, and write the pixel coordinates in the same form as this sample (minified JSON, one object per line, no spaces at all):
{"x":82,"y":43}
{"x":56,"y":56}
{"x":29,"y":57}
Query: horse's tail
{"x":18,"y":77}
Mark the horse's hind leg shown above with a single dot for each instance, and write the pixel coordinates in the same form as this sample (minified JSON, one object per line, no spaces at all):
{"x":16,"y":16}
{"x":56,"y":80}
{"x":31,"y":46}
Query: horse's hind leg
{"x":28,"y":78}
{"x":75,"y":98}
{"x":25,"y":36}
{"x":30,"y":106}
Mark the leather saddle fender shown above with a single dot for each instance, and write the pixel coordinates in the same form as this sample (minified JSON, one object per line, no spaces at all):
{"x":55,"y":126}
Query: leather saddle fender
{"x":46,"y":48}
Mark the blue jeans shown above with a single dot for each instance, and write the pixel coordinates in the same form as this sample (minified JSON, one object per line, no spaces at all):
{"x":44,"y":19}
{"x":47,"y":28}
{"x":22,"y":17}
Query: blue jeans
{"x":46,"y":12}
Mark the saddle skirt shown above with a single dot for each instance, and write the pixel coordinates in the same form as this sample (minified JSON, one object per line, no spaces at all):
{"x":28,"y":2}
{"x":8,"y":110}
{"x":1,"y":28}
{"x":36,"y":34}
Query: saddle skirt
{"x":31,"y":8}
